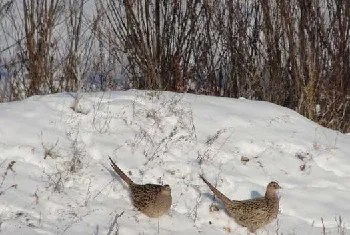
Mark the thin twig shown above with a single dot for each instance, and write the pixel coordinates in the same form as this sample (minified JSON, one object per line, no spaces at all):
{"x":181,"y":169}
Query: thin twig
{"x":115,"y":224}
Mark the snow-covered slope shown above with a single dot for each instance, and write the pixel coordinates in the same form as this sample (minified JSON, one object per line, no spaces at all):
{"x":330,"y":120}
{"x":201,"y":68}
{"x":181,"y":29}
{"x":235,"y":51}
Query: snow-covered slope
{"x":61,"y":181}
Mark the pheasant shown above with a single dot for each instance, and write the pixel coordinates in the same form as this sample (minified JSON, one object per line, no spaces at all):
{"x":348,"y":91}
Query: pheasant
{"x":153,"y":200}
{"x":253,"y":213}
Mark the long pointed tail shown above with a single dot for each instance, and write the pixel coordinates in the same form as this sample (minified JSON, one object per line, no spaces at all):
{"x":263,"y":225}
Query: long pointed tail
{"x":217,"y":193}
{"x":120,"y":172}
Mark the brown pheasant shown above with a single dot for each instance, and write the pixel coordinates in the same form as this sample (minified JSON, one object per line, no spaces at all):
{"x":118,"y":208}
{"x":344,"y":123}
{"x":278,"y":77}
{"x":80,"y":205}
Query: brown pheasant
{"x":253,"y":213}
{"x":152,"y":200}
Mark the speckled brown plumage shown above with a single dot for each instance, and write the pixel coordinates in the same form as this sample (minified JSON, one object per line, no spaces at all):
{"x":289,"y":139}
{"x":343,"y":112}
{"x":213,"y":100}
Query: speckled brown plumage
{"x":152,"y":200}
{"x":253,"y":213}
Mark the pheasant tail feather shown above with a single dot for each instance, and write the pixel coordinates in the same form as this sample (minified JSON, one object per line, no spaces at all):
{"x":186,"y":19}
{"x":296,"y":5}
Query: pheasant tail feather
{"x":220,"y":195}
{"x":121,"y":173}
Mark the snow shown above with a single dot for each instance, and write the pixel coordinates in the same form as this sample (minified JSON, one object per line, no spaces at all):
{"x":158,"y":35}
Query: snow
{"x":62,"y":183}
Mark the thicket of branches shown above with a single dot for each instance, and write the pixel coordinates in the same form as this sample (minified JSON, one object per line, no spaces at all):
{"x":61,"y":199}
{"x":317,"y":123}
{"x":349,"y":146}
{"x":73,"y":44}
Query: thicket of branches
{"x":293,"y":53}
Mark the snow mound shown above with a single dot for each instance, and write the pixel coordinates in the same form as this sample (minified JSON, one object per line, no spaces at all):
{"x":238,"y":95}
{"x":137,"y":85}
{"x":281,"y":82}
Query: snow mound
{"x":61,"y":181}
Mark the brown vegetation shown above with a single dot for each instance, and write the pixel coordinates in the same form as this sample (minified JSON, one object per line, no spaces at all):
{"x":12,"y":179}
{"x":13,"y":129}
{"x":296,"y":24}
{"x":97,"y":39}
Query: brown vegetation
{"x":293,"y":53}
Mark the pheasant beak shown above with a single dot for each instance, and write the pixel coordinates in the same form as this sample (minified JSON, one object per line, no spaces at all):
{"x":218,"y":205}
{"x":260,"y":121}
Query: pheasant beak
{"x":278,"y":192}
{"x":166,"y":190}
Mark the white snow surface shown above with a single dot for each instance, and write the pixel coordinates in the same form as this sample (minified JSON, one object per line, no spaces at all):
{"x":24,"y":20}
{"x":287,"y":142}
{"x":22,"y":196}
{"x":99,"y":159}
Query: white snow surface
{"x":62,"y":183}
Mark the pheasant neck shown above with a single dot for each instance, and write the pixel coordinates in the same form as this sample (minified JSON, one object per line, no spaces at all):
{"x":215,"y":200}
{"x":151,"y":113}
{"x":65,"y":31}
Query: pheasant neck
{"x":272,"y":195}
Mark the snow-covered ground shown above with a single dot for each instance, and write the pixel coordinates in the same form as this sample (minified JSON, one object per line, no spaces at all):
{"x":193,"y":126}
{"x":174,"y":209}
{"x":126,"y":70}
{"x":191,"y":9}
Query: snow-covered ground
{"x":61,"y":181}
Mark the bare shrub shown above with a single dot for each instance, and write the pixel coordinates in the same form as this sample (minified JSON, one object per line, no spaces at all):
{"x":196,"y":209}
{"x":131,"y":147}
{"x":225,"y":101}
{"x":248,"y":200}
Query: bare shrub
{"x":115,"y":224}
{"x":67,"y":162}
{"x":156,"y":40}
{"x":102,"y":115}
{"x":292,"y":53}
{"x":39,"y":19}
{"x":55,"y":180}
{"x":50,"y":150}
{"x":4,"y":175}
{"x":48,"y":48}
{"x":77,"y":151}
